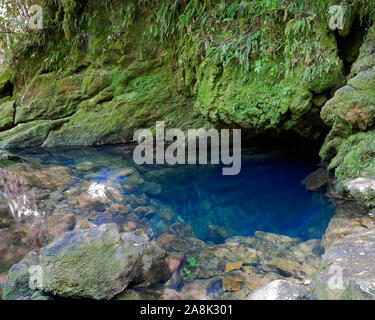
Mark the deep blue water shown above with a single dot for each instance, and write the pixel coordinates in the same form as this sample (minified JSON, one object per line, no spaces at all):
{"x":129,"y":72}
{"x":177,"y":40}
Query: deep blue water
{"x":267,"y":195}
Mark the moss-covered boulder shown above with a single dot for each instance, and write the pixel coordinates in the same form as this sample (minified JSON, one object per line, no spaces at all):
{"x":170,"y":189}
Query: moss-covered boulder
{"x":95,"y":263}
{"x":99,"y":263}
{"x":350,"y":144}
{"x":353,"y":103}
{"x":353,"y":161}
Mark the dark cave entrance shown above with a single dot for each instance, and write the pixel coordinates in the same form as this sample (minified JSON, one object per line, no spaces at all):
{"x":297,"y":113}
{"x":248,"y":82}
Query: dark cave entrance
{"x":349,"y":45}
{"x":6,"y":90}
{"x":286,"y":140}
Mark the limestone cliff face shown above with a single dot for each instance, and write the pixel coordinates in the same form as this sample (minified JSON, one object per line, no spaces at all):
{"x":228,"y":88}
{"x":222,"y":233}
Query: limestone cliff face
{"x":103,"y":69}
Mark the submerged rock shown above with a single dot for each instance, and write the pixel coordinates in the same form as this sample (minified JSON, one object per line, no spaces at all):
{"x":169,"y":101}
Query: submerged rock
{"x":213,"y":260}
{"x":317,"y":180}
{"x":44,"y":177}
{"x":11,"y":248}
{"x":232,"y":283}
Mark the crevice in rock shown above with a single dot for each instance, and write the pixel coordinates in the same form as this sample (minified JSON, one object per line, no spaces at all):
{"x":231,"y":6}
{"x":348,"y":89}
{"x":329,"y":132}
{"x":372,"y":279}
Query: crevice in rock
{"x":6,"y":90}
{"x":348,"y":46}
{"x":14,"y":114}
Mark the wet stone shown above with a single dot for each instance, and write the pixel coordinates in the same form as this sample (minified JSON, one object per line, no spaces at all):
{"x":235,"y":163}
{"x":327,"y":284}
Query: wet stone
{"x":317,"y":180}
{"x":350,"y":218}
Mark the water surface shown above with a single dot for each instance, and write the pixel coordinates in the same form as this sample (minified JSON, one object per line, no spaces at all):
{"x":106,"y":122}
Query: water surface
{"x":267,"y":195}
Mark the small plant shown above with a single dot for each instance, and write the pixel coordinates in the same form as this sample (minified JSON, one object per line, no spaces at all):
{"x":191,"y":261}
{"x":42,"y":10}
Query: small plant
{"x":191,"y":263}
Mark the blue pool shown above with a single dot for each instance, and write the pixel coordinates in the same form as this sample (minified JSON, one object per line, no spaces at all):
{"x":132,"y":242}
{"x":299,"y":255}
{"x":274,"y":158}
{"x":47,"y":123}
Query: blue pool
{"x":266,"y":196}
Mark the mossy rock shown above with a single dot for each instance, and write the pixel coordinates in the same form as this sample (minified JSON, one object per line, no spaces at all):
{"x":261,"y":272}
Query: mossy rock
{"x":138,"y":100}
{"x":29,"y":134}
{"x":327,"y":79}
{"x":300,"y":102}
{"x":224,"y":94}
{"x":353,"y":103}
{"x":366,"y":58}
{"x":5,"y":156}
{"x":7,"y":112}
{"x":352,"y":158}
{"x":95,"y":81}
{"x":99,"y":263}
{"x":16,"y":286}
{"x":48,"y":97}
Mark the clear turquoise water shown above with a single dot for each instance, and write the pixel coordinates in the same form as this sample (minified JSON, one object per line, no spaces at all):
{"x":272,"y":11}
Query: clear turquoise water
{"x":267,"y":195}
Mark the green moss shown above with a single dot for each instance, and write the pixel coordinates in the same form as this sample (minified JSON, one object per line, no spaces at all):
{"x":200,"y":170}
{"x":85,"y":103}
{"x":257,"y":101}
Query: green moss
{"x":366,"y":58}
{"x":142,"y":94}
{"x":95,"y":81}
{"x":85,"y":271}
{"x":350,"y":144}
{"x":30,"y":134}
{"x":48,"y":97}
{"x":250,"y":102}
{"x":353,"y":157}
{"x":7,"y":112}
{"x":353,"y":104}
{"x":16,"y":286}
{"x":356,"y":156}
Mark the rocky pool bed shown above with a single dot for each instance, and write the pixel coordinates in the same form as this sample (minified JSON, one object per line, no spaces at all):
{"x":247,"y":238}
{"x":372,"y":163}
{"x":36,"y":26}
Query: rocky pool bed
{"x":100,"y":227}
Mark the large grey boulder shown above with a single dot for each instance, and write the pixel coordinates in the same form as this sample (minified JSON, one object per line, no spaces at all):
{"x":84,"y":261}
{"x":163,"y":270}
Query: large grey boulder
{"x":96,"y":263}
{"x":349,"y":268}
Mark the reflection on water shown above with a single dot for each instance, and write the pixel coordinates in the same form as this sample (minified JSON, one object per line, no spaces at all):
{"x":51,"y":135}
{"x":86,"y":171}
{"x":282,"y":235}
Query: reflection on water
{"x":20,"y":201}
